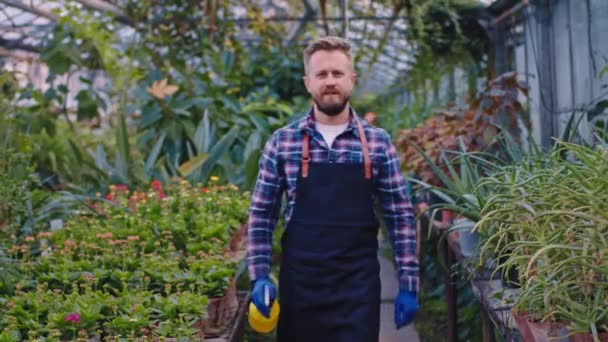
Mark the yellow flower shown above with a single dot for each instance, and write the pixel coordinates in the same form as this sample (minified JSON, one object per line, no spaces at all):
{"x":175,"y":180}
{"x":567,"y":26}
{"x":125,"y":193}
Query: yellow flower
{"x":160,"y":89}
{"x":214,"y":178}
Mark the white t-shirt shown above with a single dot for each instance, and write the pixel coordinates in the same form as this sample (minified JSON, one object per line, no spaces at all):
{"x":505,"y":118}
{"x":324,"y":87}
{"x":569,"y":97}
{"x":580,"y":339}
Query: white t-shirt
{"x":330,"y":132}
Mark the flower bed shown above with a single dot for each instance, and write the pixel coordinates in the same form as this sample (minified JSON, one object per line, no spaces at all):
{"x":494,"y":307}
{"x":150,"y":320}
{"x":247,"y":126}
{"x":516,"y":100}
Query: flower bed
{"x":150,"y":264}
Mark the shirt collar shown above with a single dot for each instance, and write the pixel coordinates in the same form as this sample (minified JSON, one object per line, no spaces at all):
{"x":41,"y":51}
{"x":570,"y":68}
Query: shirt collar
{"x":308,"y":123}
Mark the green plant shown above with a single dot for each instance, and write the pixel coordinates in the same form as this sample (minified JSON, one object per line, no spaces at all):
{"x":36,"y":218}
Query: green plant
{"x":548,"y":221}
{"x":140,"y":263}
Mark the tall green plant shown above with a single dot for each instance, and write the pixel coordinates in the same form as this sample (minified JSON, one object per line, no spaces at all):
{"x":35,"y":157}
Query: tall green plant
{"x":549,"y":222}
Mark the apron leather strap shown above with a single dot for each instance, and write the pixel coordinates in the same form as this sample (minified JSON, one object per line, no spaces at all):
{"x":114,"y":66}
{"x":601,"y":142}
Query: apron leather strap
{"x":367,"y":163}
{"x":366,"y":159}
{"x":305,"y":156}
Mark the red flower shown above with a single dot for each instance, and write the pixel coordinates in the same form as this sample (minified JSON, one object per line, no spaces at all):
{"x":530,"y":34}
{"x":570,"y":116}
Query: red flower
{"x":110,"y":197}
{"x":74,"y":318}
{"x":157,"y":185}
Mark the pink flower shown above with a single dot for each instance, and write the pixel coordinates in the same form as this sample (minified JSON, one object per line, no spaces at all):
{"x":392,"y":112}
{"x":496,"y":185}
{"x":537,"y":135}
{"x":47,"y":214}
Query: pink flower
{"x":73,"y":317}
{"x":122,"y":187}
{"x":370,"y":117}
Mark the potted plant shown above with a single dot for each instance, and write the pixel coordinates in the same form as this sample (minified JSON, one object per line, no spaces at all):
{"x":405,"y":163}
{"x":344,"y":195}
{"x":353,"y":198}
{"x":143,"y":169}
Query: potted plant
{"x":547,"y":219}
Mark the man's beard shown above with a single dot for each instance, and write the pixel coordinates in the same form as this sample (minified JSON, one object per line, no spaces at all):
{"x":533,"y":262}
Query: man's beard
{"x":332,"y":108}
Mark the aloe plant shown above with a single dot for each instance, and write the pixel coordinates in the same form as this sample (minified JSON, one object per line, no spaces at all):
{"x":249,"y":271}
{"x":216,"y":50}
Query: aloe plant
{"x":459,"y":190}
{"x":549,"y":220}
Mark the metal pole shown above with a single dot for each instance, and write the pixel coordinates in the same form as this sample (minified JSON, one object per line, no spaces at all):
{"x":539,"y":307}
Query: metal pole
{"x":546,"y":75}
{"x":487,"y":328}
{"x":452,"y":300}
{"x":571,"y":54}
{"x":344,"y":4}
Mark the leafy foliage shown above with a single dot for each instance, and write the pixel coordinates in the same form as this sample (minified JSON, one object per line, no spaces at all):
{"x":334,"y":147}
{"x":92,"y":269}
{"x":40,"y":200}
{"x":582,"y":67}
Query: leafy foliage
{"x":144,"y":264}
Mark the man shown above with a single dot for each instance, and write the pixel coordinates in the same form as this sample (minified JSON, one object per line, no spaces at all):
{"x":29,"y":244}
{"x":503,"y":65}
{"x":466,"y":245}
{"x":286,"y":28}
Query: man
{"x":331,"y":165}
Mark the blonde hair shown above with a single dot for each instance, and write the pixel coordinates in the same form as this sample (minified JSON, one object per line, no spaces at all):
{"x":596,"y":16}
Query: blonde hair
{"x":327,"y":43}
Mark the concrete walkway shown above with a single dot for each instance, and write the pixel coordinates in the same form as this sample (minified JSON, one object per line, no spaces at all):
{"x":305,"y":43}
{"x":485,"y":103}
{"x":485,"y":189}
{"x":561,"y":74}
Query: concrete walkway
{"x":390,"y":288}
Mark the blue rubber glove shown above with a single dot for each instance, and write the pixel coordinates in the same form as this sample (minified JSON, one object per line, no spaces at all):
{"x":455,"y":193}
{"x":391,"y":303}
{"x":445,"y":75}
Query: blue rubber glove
{"x":406,"y":306}
{"x":257,"y":295}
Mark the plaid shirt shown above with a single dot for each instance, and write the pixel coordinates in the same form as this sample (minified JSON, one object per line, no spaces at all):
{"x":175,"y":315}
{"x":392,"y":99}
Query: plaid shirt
{"x":278,"y":174}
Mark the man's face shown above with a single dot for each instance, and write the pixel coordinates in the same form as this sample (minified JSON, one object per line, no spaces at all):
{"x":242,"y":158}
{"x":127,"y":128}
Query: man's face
{"x":330,"y":80}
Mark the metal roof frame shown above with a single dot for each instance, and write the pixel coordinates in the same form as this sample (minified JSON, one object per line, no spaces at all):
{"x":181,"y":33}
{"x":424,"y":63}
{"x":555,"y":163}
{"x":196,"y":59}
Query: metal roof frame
{"x":25,"y":23}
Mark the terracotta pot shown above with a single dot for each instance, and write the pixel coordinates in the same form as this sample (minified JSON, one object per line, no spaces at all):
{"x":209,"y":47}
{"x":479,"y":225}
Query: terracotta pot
{"x":522,"y":325}
{"x":220,"y":311}
{"x":548,"y":331}
{"x":201,"y":337}
{"x":532,"y":331}
{"x":588,"y":337}
{"x":238,"y":240}
{"x":447,"y":216}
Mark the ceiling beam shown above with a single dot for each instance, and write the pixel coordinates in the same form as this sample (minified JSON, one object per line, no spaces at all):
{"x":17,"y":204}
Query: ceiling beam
{"x":297,"y":31}
{"x":25,"y":7}
{"x":18,"y":45}
{"x":315,"y":18}
{"x":102,"y":6}
{"x":17,"y":54}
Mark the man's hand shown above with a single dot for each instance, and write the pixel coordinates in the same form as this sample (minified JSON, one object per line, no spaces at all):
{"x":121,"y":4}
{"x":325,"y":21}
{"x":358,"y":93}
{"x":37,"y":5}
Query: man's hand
{"x":406,"y":306}
{"x":260,"y":287}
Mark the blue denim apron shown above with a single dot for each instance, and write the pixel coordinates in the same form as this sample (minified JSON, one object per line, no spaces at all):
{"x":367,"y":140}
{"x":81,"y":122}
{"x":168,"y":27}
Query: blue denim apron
{"x":329,"y":283}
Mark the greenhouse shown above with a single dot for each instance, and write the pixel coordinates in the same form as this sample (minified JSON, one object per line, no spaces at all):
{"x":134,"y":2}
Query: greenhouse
{"x":301,"y":170}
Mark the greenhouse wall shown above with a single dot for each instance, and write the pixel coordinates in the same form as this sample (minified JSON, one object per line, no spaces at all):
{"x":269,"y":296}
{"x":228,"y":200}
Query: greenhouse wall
{"x":559,"y":48}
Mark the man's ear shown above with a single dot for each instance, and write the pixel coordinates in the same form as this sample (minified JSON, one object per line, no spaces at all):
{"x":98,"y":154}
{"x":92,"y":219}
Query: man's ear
{"x":305,"y":83}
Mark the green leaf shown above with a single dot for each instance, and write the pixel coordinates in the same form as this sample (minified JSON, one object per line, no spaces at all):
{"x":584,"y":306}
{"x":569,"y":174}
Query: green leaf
{"x":259,"y":122}
{"x":218,"y":151}
{"x":87,"y":105}
{"x":187,"y":168}
{"x":227,"y":61}
{"x":150,"y":115}
{"x":251,"y":168}
{"x":202,"y":136}
{"x":254,"y":143}
{"x":182,"y":112}
{"x":154,"y":153}
{"x":570,"y":129}
{"x":284,"y":108}
{"x":101,"y":160}
{"x":604,"y":70}
{"x":598,"y":109}
{"x":123,"y":151}
{"x":440,"y":174}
